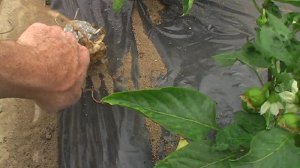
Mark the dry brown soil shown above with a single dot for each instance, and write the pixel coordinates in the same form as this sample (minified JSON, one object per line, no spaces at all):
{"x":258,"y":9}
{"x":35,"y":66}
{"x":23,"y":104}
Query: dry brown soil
{"x":28,"y":136}
{"x":151,"y":68}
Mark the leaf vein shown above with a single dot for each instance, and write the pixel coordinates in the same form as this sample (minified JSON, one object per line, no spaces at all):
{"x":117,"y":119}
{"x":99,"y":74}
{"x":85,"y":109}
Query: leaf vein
{"x":281,"y":144}
{"x":174,"y":116}
{"x":217,"y":161}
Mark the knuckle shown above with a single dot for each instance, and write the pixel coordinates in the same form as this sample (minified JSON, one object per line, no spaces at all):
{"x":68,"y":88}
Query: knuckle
{"x":56,"y":31}
{"x":57,"y":28}
{"x":70,"y":35}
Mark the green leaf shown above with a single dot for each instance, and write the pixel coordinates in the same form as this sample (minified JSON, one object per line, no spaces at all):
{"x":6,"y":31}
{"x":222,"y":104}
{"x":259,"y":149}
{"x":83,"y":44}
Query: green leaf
{"x":271,"y":7}
{"x":293,"y":2}
{"x":233,"y":138}
{"x":292,"y":19}
{"x":196,"y":155}
{"x":278,"y":26}
{"x":270,"y":45}
{"x":294,"y":49}
{"x":250,"y":56}
{"x":226,"y":59}
{"x":280,"y":77}
{"x":239,"y":134}
{"x":187,"y":6}
{"x":117,"y":5}
{"x":285,"y":83}
{"x":247,"y":55}
{"x":180,"y":110}
{"x":252,"y":123}
{"x":273,"y":40}
{"x":274,"y":148}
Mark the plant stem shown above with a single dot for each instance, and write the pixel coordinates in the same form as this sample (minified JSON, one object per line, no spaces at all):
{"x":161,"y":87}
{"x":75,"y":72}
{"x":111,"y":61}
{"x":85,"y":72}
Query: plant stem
{"x":256,"y":6}
{"x":256,"y":73}
{"x":259,"y":78}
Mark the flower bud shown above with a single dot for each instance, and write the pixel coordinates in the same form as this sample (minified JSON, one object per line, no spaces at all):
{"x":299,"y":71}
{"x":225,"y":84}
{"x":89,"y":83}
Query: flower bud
{"x":290,"y":121}
{"x":254,"y":98}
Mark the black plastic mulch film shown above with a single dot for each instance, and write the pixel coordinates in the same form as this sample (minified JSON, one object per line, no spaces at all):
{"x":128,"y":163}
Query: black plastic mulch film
{"x":100,"y":136}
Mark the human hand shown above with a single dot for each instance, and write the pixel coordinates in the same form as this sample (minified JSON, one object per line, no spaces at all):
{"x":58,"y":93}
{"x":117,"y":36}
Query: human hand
{"x":57,"y":66}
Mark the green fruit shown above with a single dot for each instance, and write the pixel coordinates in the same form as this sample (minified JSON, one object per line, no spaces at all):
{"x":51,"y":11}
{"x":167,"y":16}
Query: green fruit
{"x":246,"y":108}
{"x":290,"y":121}
{"x":254,"y":97}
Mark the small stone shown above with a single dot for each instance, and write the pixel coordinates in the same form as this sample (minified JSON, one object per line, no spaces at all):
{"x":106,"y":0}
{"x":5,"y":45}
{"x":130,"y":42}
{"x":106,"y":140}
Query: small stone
{"x":48,"y":135}
{"x":3,"y":140}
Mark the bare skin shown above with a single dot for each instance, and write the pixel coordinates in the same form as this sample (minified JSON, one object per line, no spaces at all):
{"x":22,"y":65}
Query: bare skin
{"x":45,"y":64}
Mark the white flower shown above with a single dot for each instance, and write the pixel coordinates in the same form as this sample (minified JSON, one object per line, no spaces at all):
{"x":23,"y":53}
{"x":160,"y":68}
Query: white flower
{"x":290,"y":98}
{"x":273,"y":108}
{"x":294,"y":87}
{"x":292,"y":108}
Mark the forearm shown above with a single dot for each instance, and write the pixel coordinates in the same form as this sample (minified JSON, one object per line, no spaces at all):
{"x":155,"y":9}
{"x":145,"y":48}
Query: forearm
{"x":13,"y":72}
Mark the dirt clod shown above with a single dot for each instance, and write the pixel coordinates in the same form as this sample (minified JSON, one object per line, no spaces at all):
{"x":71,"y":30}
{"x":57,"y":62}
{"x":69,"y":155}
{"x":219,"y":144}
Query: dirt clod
{"x":48,"y":135}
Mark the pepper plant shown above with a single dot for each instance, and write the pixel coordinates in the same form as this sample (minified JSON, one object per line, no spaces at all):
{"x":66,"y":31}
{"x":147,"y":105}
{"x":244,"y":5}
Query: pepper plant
{"x":265,"y":133}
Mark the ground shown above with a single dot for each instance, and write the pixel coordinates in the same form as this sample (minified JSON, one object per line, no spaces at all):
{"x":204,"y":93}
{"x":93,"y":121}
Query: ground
{"x":28,"y":136}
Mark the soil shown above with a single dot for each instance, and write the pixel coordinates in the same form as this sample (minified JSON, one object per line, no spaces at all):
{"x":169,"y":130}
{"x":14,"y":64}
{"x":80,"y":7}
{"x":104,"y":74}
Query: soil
{"x":28,"y":136}
{"x":154,"y":9}
{"x":151,"y":68}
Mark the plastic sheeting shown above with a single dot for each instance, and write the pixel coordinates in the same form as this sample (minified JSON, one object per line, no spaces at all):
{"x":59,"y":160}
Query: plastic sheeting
{"x":187,"y":43}
{"x":100,"y":136}
{"x":94,"y":135}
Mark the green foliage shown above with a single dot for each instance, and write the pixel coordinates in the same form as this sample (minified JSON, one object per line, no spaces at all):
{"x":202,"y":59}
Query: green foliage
{"x":226,"y":59}
{"x":176,"y":109}
{"x":272,"y":8}
{"x":239,"y":134}
{"x":292,"y":20}
{"x":293,"y":2}
{"x":274,"y":148}
{"x":274,"y":41}
{"x":198,"y":154}
{"x":248,"y":55}
{"x":118,"y":4}
{"x":266,"y":133}
{"x":170,"y":108}
{"x":187,"y":6}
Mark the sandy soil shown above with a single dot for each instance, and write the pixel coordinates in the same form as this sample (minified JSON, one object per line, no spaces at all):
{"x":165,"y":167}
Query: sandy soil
{"x":154,"y":9}
{"x":150,"y":66}
{"x":28,"y":136}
